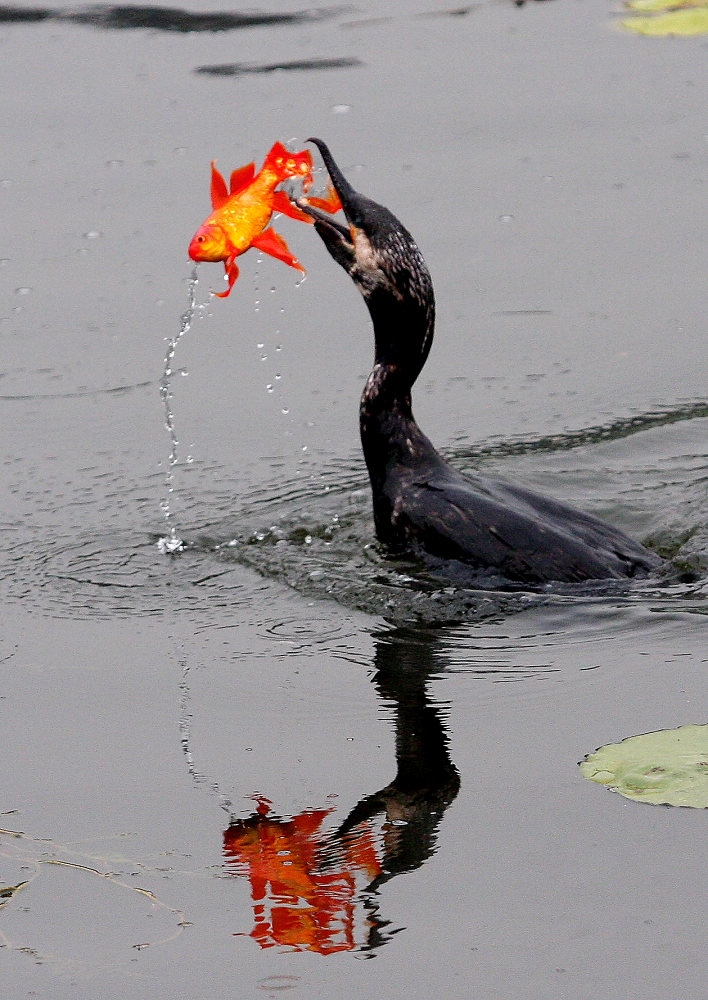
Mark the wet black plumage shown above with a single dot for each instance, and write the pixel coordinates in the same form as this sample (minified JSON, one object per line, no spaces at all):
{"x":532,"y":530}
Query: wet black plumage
{"x":421,"y":503}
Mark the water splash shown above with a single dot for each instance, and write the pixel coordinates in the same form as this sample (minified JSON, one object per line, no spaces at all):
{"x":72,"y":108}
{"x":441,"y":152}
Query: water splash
{"x":171,"y":543}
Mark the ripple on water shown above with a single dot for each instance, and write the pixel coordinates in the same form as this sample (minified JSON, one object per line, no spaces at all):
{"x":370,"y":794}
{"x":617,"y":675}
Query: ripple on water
{"x":315,"y":535}
{"x":121,"y":573}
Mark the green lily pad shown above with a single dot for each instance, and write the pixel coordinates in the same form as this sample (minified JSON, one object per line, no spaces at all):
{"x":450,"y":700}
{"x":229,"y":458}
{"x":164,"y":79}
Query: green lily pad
{"x":669,"y":767}
{"x":669,"y":17}
{"x":659,"y":6}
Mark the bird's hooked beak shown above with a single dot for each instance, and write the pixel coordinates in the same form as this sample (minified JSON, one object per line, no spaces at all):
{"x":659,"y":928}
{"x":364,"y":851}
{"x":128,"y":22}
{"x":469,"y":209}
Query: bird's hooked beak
{"x":384,"y":262}
{"x":340,"y":240}
{"x":374,"y":248}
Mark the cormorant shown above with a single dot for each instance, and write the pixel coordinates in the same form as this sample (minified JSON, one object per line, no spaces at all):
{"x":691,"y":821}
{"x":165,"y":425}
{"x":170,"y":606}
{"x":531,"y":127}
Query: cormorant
{"x":421,"y":503}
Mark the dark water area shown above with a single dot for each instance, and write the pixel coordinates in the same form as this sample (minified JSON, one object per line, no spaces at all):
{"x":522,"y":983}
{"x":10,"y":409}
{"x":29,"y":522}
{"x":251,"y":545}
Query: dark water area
{"x":157,"y":18}
{"x":280,"y":762}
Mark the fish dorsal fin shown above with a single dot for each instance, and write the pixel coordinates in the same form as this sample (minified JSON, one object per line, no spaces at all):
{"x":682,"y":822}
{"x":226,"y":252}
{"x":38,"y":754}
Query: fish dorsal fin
{"x":242,"y":177}
{"x":219,"y":192}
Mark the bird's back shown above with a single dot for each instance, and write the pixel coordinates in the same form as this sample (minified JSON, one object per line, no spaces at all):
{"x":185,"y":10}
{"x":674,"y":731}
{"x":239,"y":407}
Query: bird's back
{"x":493,"y":525}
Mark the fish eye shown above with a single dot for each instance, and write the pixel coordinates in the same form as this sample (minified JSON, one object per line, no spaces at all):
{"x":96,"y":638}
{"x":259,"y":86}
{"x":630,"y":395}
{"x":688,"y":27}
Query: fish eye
{"x":201,"y":239}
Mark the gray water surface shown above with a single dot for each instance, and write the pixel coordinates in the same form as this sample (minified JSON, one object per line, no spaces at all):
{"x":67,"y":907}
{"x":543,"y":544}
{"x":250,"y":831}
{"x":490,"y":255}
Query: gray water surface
{"x":281,"y":681}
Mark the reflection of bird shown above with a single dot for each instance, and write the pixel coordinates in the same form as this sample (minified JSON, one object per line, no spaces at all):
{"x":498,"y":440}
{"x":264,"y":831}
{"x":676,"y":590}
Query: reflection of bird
{"x":421,"y":503}
{"x":315,"y":889}
{"x":426,"y":782}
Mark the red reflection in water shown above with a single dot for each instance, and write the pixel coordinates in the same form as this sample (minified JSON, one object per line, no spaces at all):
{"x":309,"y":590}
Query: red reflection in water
{"x":303,"y":884}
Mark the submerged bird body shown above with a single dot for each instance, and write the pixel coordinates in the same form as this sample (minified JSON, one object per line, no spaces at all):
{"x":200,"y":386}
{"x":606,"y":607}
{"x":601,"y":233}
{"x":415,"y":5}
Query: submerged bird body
{"x":422,"y":504}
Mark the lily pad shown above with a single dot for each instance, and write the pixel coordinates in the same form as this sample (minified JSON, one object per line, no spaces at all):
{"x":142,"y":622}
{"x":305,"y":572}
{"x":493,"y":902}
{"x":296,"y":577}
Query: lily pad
{"x":668,"y":17}
{"x":669,"y":767}
{"x":661,"y":6}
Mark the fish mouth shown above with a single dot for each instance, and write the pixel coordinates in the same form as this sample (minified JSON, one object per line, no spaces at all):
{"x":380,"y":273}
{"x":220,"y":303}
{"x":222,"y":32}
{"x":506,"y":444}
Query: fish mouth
{"x":200,"y":251}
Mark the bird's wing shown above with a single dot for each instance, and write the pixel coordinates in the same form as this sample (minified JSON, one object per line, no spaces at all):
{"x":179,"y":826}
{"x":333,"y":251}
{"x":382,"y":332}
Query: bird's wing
{"x":487,"y":523}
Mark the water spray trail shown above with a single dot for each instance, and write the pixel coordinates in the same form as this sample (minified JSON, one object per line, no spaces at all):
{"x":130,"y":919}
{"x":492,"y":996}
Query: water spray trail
{"x":171,"y":542}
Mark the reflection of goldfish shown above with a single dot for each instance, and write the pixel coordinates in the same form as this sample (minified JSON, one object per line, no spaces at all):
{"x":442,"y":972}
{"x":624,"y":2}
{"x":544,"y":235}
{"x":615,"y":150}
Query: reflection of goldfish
{"x":242,"y":212}
{"x":303,"y":887}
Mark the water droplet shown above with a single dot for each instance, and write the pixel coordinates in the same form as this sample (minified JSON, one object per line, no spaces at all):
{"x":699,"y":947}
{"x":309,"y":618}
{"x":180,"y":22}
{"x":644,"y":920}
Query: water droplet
{"x":92,"y":234}
{"x":4,"y":261}
{"x":278,"y":347}
{"x":179,"y":150}
{"x":23,"y":290}
{"x":340,"y":109}
{"x":278,"y":376}
{"x":304,"y":447}
{"x":113,"y":164}
{"x":170,"y":544}
{"x":260,"y":346}
{"x":285,"y":410}
{"x":506,"y":218}
{"x":269,"y":388}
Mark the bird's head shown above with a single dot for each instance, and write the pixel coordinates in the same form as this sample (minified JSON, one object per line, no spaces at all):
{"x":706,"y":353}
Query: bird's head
{"x":384,"y":262}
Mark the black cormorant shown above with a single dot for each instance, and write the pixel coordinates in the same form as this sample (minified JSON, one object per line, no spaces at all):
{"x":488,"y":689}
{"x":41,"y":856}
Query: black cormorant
{"x":421,"y":503}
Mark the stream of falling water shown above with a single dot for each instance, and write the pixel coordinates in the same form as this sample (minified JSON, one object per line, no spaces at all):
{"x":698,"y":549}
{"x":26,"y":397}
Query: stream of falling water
{"x":171,"y":543}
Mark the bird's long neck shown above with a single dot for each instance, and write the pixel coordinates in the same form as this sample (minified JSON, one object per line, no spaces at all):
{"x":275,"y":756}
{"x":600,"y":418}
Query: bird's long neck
{"x":404,"y":325}
{"x":389,"y":432}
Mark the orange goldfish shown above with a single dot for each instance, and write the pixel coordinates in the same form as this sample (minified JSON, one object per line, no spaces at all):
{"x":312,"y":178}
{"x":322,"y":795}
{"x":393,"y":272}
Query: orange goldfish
{"x":242,"y":212}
